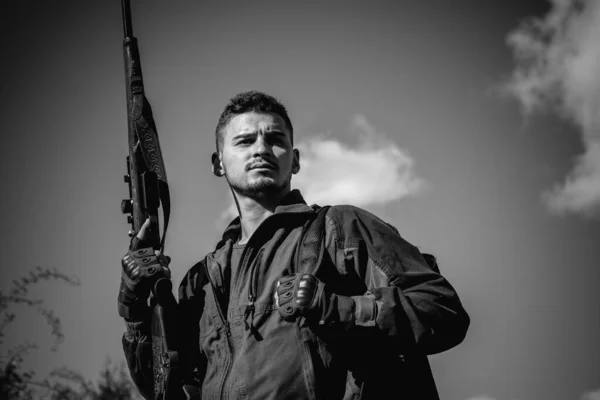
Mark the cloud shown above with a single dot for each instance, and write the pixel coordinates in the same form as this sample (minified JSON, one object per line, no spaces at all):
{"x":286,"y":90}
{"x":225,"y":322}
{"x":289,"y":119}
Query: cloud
{"x":374,"y":170}
{"x":594,"y":395}
{"x":558,"y":68}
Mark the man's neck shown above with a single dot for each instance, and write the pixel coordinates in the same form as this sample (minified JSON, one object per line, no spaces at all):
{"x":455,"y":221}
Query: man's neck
{"x":254,"y":211}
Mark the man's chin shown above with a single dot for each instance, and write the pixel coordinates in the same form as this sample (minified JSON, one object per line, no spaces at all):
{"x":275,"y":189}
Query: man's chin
{"x":261,"y":188}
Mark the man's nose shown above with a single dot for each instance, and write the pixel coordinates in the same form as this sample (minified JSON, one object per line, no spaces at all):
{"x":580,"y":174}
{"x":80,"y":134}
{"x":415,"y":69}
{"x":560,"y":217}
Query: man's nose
{"x":261,"y":146}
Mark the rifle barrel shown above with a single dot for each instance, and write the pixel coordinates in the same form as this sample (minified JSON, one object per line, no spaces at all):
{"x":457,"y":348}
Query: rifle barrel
{"x":127,"y":28}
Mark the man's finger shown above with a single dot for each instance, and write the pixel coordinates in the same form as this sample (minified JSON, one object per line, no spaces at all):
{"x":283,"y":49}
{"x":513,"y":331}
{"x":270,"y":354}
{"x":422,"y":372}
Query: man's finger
{"x":138,"y":241}
{"x":163,"y":258}
{"x":142,"y":233}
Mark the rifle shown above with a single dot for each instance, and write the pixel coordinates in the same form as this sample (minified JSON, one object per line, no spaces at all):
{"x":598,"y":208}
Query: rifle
{"x":148,"y":190}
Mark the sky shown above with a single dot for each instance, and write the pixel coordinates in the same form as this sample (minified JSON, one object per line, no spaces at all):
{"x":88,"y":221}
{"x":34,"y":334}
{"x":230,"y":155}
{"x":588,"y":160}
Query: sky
{"x":471,"y":126}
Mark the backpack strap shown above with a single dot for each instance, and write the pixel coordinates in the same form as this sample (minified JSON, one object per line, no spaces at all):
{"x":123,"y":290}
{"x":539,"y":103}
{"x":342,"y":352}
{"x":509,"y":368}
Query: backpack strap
{"x":312,"y":244}
{"x":309,"y":259}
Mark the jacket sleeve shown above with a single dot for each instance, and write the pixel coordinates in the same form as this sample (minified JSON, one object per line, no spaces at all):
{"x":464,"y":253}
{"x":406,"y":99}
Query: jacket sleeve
{"x":190,"y":308}
{"x":138,"y":354}
{"x":405,"y":299}
{"x":137,"y":343}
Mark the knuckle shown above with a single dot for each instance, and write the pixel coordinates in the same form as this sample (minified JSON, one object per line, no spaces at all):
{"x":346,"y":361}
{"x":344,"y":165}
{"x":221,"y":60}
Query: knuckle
{"x":141,"y":252}
{"x":151,"y":270}
{"x":129,"y":267}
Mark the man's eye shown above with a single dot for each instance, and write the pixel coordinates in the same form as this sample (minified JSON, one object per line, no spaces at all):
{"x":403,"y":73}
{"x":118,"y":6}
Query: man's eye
{"x":244,"y":142}
{"x":276,"y":140}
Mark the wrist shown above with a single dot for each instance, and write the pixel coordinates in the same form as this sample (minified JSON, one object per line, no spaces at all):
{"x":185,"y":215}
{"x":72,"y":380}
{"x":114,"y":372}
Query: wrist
{"x":131,"y":307}
{"x":134,"y":312}
{"x":346,"y":307}
{"x":137,"y":330}
{"x":337,"y":310}
{"x":350,"y":311}
{"x":365,"y":312}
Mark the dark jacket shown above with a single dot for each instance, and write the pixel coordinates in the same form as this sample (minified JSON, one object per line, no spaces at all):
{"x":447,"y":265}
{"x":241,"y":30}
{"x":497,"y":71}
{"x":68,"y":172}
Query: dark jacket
{"x":238,"y":347}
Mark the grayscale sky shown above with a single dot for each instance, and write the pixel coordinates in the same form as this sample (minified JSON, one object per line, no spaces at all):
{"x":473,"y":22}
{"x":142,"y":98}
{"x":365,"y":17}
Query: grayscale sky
{"x":405,"y":108}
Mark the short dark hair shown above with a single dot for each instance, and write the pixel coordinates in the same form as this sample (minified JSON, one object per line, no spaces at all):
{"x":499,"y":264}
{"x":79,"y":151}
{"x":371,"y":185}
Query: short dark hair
{"x":251,"y":101}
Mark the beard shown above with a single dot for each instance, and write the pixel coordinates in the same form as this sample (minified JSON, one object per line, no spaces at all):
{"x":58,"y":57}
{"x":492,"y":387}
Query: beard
{"x":260,"y":188}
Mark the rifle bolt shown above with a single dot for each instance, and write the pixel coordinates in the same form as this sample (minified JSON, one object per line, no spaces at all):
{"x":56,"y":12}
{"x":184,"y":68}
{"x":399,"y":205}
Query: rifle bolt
{"x":131,"y":233}
{"x":126,"y":206}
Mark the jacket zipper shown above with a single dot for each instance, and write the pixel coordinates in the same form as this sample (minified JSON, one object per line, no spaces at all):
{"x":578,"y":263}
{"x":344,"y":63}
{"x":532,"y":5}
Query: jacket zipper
{"x":246,"y":255}
{"x":252,"y":292}
{"x":230,"y":301}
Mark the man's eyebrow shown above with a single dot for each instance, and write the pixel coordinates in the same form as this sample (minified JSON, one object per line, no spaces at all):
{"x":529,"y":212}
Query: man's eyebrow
{"x":246,"y":135}
{"x":276,"y":133}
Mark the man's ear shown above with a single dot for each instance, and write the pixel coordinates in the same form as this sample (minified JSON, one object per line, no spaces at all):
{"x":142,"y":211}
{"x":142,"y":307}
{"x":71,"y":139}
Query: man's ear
{"x":296,"y":162}
{"x":217,"y":165}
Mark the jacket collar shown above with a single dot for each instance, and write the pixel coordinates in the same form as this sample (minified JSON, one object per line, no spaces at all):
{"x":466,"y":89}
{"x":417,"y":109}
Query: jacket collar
{"x":293,"y":202}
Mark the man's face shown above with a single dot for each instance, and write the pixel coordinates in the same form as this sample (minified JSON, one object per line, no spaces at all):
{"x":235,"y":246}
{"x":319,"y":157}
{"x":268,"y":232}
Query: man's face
{"x":257,"y":157}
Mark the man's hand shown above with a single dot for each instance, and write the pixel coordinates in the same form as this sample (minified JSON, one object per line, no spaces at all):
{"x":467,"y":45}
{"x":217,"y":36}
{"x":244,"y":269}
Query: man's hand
{"x":299,"y":295}
{"x":142,"y":266}
{"x":304,"y":295}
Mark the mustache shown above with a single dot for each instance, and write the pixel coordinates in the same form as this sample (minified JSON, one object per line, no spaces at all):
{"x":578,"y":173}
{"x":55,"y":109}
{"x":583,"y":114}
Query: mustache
{"x":260,"y":163}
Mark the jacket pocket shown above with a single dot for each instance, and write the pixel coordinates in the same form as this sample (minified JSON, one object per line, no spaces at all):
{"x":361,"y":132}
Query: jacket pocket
{"x":207,"y":334}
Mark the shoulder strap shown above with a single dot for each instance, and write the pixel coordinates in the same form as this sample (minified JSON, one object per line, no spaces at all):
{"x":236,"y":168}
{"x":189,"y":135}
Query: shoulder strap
{"x":309,"y":258}
{"x":312,"y":244}
{"x":310,"y":254}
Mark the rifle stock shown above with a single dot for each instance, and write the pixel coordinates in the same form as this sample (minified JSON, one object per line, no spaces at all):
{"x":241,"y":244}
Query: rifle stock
{"x":148,"y":191}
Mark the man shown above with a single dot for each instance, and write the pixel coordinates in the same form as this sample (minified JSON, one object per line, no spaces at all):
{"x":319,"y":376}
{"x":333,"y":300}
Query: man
{"x":253,"y":326}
